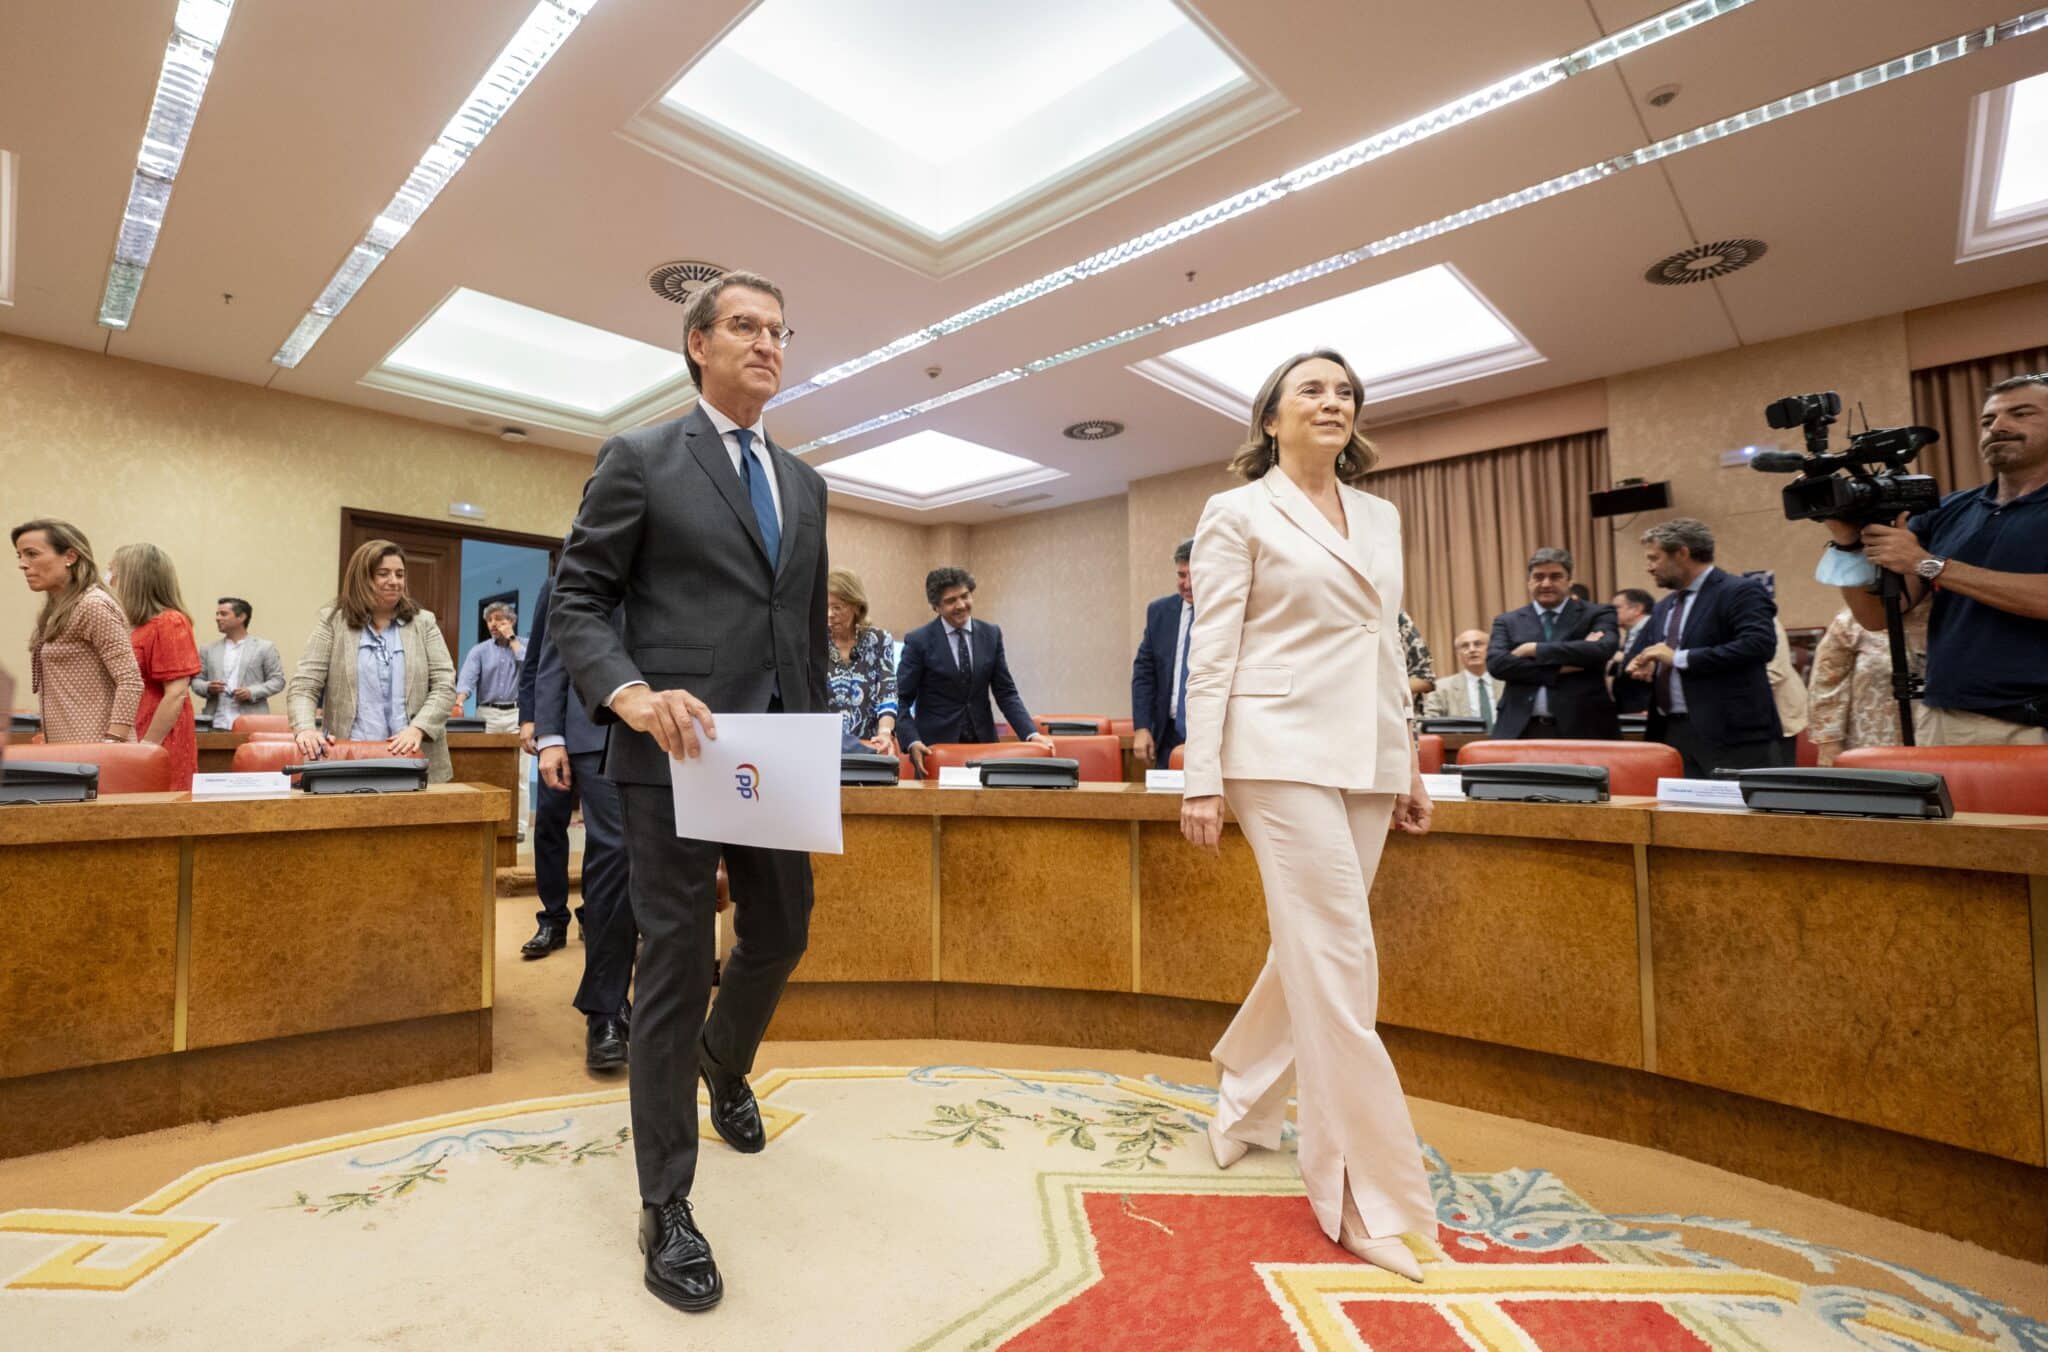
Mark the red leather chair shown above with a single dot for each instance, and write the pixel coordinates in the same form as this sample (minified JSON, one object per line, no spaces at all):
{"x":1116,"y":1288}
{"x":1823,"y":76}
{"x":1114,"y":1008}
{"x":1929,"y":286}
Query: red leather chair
{"x":259,"y":754}
{"x":960,"y":753}
{"x":1102,"y":725}
{"x":1429,"y":753}
{"x":1980,"y":778}
{"x":1808,"y":755}
{"x":1101,"y":756}
{"x":1633,"y":768}
{"x":1123,"y":727}
{"x":125,"y":767}
{"x":1178,"y":760}
{"x":272,"y":737}
{"x":263,"y":723}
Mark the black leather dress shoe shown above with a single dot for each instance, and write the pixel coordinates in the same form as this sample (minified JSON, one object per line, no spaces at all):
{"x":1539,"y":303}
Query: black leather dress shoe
{"x":604,"y":1047}
{"x":545,"y":940}
{"x":734,"y":1113}
{"x":680,"y":1269}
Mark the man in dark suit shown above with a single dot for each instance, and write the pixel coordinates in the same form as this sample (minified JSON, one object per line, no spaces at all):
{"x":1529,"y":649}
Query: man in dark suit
{"x":1632,"y":607}
{"x":550,"y":817}
{"x":712,"y":538}
{"x":1159,"y":674}
{"x":572,"y":772}
{"x":948,"y":671}
{"x":1703,"y":655}
{"x":1553,"y":654}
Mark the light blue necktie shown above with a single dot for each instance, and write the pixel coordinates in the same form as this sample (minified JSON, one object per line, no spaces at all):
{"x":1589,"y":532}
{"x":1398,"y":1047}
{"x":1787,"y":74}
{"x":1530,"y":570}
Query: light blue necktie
{"x":1180,"y":712}
{"x":760,"y":495}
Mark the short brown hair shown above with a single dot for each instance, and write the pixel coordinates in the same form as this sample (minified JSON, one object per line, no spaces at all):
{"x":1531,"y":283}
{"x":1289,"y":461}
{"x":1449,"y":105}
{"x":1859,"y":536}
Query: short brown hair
{"x":357,"y":601}
{"x":1261,"y":452}
{"x":842,"y":583}
{"x":703,"y":311}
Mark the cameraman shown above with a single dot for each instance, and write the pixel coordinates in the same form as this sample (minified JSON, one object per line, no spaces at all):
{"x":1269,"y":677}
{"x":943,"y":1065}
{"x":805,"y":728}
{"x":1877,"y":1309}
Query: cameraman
{"x":1984,"y":553}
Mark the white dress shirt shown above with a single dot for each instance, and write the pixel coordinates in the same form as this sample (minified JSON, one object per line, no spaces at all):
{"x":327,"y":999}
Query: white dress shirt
{"x":227,"y":711}
{"x":1180,"y":638}
{"x":952,"y":648}
{"x":1678,"y":655}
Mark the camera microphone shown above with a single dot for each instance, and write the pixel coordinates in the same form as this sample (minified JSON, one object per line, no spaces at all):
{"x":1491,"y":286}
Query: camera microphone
{"x":1778,"y":462}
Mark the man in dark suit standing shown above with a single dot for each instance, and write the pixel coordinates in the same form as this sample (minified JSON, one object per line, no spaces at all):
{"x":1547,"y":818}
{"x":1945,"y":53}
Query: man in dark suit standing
{"x":1704,"y":653}
{"x":948,"y":671}
{"x":1553,"y":654}
{"x":712,"y":538}
{"x":572,"y":772}
{"x":1159,"y":674}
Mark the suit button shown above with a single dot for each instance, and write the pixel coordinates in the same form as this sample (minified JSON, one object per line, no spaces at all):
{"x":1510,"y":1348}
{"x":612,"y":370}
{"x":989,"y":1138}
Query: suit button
{"x":1372,"y":626}
{"x":768,"y":665}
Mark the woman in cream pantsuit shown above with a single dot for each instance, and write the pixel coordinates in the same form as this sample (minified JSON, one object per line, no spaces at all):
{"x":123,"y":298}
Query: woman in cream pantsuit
{"x":1297,"y":711}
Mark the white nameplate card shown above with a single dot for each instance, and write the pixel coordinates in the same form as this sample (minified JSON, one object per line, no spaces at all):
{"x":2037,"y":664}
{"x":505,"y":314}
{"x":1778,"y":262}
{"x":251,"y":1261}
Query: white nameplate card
{"x":959,"y":776}
{"x":768,"y":779}
{"x":1700,"y":793}
{"x":1166,"y":781}
{"x":1443,"y":787}
{"x":259,"y":784}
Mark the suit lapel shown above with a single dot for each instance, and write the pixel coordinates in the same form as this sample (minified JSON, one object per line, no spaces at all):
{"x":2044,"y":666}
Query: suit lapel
{"x":1295,"y":506}
{"x":785,"y":482}
{"x":708,"y":448}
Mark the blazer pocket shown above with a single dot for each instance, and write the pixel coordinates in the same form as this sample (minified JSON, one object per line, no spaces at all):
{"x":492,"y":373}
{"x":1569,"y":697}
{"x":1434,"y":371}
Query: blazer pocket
{"x":1262,"y":681}
{"x":674,"y":659}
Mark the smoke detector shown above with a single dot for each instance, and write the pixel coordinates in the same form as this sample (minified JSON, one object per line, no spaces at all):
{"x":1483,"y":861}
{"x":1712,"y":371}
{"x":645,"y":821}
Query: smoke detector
{"x":681,"y":281}
{"x":1705,"y":262}
{"x":1093,"y":429}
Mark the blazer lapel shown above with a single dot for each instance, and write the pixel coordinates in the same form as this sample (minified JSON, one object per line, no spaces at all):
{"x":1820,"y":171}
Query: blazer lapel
{"x":1295,"y":506}
{"x":708,"y":448}
{"x":785,"y":480}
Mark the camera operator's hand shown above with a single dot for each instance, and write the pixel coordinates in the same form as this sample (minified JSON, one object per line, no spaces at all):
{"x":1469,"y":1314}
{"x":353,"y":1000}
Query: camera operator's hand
{"x":1893,"y":547}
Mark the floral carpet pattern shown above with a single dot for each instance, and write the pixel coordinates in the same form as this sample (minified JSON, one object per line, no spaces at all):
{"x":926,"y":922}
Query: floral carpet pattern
{"x":1025,"y":1210}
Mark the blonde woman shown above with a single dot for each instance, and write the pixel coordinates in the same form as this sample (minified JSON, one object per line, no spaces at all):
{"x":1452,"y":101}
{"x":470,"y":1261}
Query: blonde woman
{"x":1297,"y":710}
{"x":860,"y":672}
{"x":79,"y":658}
{"x":146,"y":585}
{"x":378,"y":665}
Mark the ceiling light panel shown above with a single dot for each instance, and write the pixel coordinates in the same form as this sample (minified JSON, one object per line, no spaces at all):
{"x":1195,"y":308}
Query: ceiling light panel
{"x":196,"y":32}
{"x":2023,"y":165}
{"x":1419,"y":332}
{"x":1912,"y":63}
{"x":540,"y":36}
{"x":497,"y":356}
{"x":931,"y":469}
{"x":1465,"y":108}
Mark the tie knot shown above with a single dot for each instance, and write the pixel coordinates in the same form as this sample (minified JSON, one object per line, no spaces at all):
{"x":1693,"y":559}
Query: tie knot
{"x":745,"y":437}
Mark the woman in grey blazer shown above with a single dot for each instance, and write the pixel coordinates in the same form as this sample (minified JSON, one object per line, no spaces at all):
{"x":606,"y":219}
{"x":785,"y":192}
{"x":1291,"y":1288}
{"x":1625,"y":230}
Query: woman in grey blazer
{"x":378,"y":664}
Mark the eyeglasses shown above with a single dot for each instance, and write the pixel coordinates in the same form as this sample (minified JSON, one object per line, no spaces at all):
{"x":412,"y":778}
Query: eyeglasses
{"x":747,"y":329}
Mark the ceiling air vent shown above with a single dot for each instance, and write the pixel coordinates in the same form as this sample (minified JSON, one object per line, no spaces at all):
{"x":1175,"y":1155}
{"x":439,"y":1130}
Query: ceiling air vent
{"x":678,"y":282}
{"x":1023,"y":501}
{"x":1705,"y":262}
{"x":1094,"y":429}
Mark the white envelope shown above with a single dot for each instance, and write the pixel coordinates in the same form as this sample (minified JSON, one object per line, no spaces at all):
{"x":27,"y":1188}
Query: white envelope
{"x":769,"y":779}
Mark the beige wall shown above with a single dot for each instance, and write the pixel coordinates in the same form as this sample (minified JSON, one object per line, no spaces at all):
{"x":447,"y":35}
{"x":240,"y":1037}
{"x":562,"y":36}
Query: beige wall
{"x":1161,"y":512}
{"x":1055,"y":582}
{"x":890,"y":558}
{"x":1672,"y":422}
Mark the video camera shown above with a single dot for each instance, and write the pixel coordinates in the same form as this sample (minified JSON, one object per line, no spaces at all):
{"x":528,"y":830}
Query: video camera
{"x":1861,"y":485}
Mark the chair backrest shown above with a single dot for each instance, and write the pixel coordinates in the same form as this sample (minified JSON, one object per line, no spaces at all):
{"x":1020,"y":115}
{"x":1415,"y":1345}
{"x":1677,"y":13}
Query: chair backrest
{"x":1179,"y":759}
{"x":1980,"y":778}
{"x":1101,"y":756}
{"x":1808,"y":755}
{"x":1123,"y":727}
{"x":259,"y":754}
{"x":960,"y":753}
{"x":263,"y":723}
{"x":1633,"y":768}
{"x":125,"y":767}
{"x":358,"y":750}
{"x":1429,"y":753}
{"x":1101,"y":722}
{"x":272,"y":737}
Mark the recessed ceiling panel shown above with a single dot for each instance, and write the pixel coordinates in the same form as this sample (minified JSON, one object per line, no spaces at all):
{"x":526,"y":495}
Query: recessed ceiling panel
{"x":931,"y":469}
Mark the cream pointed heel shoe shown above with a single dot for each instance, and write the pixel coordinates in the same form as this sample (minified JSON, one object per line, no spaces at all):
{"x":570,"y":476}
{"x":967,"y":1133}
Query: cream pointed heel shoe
{"x":1226,"y":1150}
{"x":1391,"y":1254}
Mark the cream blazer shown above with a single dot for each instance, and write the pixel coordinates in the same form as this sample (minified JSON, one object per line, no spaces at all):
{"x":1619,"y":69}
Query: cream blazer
{"x":1295,"y":669}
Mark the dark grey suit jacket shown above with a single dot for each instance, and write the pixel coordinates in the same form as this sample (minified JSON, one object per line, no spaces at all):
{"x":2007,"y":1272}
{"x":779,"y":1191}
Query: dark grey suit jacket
{"x":666,"y":531}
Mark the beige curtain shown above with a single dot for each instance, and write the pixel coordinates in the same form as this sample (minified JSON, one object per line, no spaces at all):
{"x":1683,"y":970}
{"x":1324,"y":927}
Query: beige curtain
{"x":1949,"y":398}
{"x":1469,"y":524}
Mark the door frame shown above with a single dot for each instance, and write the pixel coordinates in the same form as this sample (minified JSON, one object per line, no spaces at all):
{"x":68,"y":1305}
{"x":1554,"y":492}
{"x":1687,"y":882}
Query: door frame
{"x":355,"y":518}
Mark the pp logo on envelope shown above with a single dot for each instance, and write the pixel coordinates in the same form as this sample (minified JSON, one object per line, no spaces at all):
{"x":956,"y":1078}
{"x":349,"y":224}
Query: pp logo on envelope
{"x":747,"y":778}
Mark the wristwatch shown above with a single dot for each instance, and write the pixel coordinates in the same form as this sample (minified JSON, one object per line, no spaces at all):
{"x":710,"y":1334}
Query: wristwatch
{"x":1930,"y":567}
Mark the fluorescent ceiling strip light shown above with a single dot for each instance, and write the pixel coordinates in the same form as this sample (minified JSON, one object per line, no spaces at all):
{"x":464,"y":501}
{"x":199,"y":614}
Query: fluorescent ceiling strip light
{"x":1927,"y":58}
{"x":180,"y":86}
{"x":516,"y":67}
{"x":1458,"y":112}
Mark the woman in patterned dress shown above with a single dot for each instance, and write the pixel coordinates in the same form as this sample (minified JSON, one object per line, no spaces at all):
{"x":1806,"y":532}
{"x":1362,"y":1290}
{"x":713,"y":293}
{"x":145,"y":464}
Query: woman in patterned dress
{"x":79,"y":658}
{"x":146,"y":585}
{"x":860,"y":677}
{"x":1850,"y":693}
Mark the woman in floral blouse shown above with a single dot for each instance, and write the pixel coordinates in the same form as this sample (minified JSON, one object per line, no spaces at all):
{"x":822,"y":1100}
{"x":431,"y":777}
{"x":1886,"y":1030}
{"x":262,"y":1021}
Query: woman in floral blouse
{"x":79,"y":660}
{"x":861,"y":677}
{"x":1850,"y":694}
{"x":146,"y":585}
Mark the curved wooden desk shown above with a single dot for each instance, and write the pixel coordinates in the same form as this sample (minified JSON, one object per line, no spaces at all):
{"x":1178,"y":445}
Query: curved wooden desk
{"x":1851,"y":1008}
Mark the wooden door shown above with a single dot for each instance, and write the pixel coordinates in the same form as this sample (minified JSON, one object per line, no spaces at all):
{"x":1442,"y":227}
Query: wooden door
{"x":433,"y":561}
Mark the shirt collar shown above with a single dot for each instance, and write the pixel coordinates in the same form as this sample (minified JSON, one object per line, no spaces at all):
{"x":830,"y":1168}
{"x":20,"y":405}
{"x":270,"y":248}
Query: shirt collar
{"x":726,"y":426}
{"x":1698,"y":582}
{"x":967,"y":628}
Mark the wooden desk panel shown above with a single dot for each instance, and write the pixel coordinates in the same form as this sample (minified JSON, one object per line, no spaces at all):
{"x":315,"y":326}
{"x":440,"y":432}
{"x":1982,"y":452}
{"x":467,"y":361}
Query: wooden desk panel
{"x":1900,"y":997}
{"x":875,"y":905}
{"x":1035,"y":902}
{"x":1202,"y":920}
{"x":89,"y":967}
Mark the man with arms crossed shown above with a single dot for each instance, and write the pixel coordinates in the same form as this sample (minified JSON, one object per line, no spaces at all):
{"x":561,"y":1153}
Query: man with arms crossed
{"x":713,"y":540}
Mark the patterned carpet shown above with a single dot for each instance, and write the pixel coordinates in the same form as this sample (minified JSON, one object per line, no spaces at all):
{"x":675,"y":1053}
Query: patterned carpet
{"x":941,"y":1207}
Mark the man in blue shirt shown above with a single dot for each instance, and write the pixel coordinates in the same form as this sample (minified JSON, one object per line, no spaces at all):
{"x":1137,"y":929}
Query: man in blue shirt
{"x":491,"y":672}
{"x":1983,"y":553}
